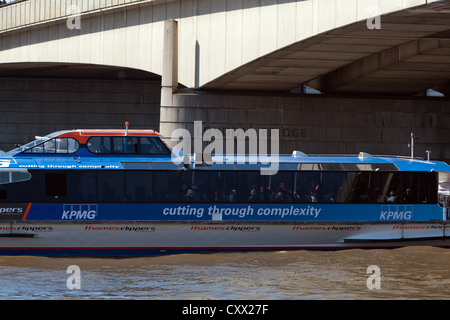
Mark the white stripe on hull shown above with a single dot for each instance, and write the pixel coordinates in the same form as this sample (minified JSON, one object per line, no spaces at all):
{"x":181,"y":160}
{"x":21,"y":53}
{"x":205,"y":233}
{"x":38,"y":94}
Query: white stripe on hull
{"x":220,"y":235}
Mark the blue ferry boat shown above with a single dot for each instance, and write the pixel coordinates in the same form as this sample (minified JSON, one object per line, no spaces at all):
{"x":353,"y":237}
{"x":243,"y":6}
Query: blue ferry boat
{"x":119,"y":193}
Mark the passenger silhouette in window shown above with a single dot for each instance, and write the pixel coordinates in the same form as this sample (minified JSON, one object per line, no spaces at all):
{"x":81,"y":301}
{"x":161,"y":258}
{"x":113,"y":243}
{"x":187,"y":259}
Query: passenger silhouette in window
{"x":392,"y":197}
{"x":254,"y":197}
{"x":190,"y":196}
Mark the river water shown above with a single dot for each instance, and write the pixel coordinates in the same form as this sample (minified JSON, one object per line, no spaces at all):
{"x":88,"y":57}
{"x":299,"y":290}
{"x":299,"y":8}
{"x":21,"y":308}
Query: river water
{"x":405,"y":273}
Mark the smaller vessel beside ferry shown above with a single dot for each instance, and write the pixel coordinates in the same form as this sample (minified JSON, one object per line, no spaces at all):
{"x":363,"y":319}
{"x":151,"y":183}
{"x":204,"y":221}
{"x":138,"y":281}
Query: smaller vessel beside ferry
{"x":119,"y":193}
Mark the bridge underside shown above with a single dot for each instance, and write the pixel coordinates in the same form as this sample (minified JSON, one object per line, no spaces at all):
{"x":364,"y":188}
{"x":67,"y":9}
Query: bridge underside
{"x":73,"y":71}
{"x":40,"y":98}
{"x":408,"y":54}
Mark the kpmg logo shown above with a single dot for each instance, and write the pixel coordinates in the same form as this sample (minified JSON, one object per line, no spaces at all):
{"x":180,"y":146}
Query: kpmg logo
{"x":396,"y":212}
{"x":79,"y":212}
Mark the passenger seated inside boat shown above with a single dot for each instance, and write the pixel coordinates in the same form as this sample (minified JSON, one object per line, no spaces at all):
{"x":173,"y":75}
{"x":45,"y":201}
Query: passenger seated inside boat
{"x":392,"y":198}
{"x":190,"y":196}
{"x":254,"y":197}
{"x":409,"y":196}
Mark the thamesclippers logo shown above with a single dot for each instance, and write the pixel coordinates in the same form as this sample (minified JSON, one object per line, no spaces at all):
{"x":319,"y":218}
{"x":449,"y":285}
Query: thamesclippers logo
{"x":12,"y":211}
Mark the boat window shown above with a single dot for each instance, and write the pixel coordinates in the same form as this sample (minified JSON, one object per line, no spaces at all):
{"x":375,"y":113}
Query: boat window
{"x":56,"y":145}
{"x":31,"y":190}
{"x":62,"y":145}
{"x":49,"y":146}
{"x":195,"y":186}
{"x":138,"y":186}
{"x":55,"y":184}
{"x":153,"y":146}
{"x":414,"y":187}
{"x":444,"y":189}
{"x":82,"y":185}
{"x":99,"y":145}
{"x":362,"y":188}
{"x":335,"y":187}
{"x":167,"y":186}
{"x":250,"y":186}
{"x":222,"y":186}
{"x":279,"y":187}
{"x":38,"y":149}
{"x":307,"y":186}
{"x":110,"y":186}
{"x":125,"y":145}
{"x":14,"y":175}
{"x":388,"y":188}
{"x":66,"y":145}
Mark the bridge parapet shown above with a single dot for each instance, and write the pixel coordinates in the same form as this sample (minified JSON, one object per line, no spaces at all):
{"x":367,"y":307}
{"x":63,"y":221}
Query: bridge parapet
{"x":25,"y":13}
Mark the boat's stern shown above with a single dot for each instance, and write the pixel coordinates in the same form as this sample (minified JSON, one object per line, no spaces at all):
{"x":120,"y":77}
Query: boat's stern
{"x":444,"y":193}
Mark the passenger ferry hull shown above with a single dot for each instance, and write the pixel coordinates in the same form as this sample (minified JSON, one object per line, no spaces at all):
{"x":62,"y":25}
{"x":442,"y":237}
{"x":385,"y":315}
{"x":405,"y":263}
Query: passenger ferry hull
{"x":124,"y":193}
{"x":131,"y":238}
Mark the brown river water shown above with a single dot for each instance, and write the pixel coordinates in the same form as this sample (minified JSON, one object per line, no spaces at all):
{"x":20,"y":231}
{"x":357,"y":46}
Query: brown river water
{"x":405,"y":273}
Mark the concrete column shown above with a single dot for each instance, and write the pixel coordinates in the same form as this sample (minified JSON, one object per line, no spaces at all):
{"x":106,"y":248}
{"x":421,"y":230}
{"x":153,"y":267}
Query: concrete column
{"x":169,"y":81}
{"x":170,"y":62}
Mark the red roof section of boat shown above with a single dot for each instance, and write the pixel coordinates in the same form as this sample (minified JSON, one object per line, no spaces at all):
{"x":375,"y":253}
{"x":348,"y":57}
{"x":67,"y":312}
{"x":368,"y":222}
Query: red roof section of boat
{"x":83,"y":134}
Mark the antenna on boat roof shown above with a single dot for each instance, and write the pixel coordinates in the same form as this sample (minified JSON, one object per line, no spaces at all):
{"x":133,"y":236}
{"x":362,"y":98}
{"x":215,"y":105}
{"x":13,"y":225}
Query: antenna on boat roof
{"x":126,"y":128}
{"x":411,"y":145}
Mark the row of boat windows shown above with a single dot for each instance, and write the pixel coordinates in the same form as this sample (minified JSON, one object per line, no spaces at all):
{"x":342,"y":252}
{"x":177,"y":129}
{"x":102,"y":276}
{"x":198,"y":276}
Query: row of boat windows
{"x":56,"y":145}
{"x":223,"y":187}
{"x":103,"y":145}
{"x":127,"y":145}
